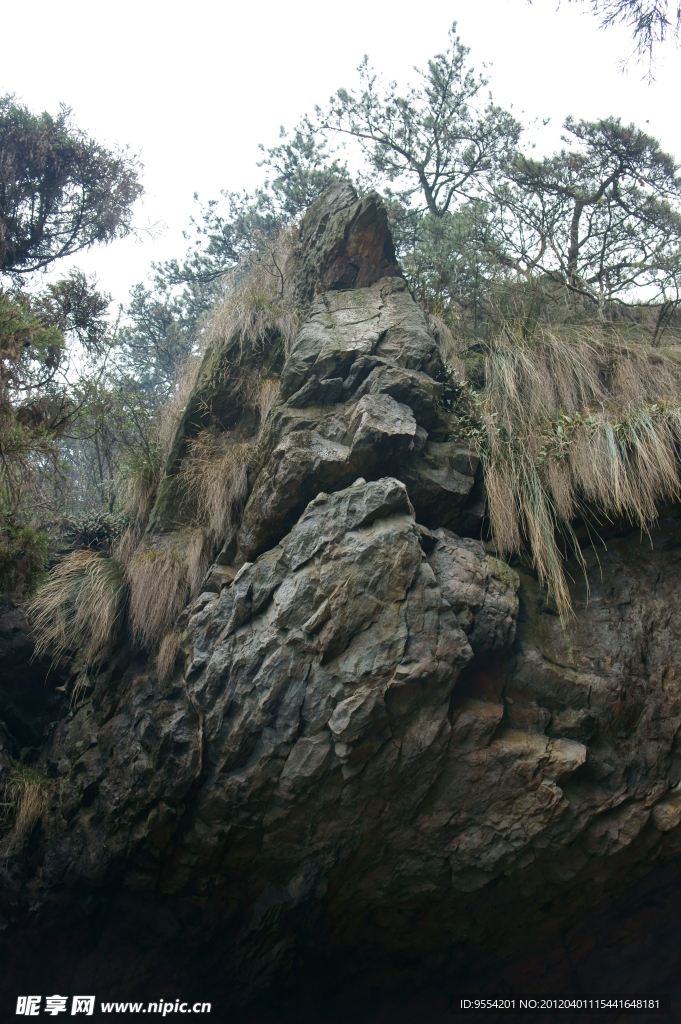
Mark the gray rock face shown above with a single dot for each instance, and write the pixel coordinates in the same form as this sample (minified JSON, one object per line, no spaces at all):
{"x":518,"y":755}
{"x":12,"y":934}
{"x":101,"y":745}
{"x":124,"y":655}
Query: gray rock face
{"x":356,"y":389}
{"x":369,"y":719}
{"x":318,"y":690}
{"x":346,"y":243}
{"x":377,"y":739}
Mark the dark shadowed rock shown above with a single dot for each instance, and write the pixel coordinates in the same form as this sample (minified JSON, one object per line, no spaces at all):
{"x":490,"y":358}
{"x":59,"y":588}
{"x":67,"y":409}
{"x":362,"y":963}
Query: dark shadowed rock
{"x":346,"y":243}
{"x":30,"y":698}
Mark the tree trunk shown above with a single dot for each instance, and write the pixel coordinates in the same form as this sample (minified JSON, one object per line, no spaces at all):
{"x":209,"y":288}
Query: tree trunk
{"x":573,"y":251}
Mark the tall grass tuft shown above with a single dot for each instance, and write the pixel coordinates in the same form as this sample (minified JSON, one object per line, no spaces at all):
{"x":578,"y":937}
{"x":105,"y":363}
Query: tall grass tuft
{"x":26,"y":796}
{"x":574,"y":422}
{"x":257,"y":301}
{"x":79,"y":607}
{"x":215,"y":480}
{"x":167,"y":654}
{"x":158,"y":593}
{"x":214,"y":472}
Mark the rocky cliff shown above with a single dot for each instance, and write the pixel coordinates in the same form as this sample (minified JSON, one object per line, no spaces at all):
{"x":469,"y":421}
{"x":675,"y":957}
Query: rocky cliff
{"x":379,"y":750}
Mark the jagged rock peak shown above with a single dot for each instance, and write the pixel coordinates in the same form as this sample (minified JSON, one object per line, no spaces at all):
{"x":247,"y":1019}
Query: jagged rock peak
{"x":346,"y":243}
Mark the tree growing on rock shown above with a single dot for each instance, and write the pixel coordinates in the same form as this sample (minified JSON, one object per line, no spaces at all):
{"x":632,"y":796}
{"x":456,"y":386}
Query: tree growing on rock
{"x":434,"y":144}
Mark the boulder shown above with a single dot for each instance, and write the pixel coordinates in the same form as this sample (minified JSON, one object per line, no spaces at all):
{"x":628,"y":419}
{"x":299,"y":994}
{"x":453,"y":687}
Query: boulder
{"x":379,"y":751}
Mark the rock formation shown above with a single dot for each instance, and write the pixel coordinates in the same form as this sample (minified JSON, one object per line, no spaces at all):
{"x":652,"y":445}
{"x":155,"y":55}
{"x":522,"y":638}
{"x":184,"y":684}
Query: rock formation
{"x":378,"y":746}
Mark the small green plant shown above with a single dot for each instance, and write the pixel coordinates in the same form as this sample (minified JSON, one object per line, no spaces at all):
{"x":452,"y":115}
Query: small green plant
{"x":96,"y":529}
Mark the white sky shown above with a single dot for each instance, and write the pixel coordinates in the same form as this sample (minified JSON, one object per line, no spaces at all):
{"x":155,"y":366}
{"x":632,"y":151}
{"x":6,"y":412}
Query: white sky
{"x":194,"y":87}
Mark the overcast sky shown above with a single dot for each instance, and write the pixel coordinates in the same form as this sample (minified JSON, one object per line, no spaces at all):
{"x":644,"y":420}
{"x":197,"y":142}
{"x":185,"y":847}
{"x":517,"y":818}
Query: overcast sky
{"x":194,"y":87}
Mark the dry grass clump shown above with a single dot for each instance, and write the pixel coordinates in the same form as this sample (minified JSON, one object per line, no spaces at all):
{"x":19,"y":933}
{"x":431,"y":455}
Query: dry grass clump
{"x":256,"y":302}
{"x":199,"y":551}
{"x":173,"y":408}
{"x":137,"y":483}
{"x":158,"y":593}
{"x":571,"y":424}
{"x":214,"y":472}
{"x":27,"y":794}
{"x":266,"y":396}
{"x":79,"y":607}
{"x":214,"y":479}
{"x":142,"y":469}
{"x":167,"y":654}
{"x":450,"y":349}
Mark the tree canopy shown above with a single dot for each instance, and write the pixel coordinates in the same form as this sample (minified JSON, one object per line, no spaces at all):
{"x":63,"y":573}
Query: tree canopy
{"x":602,"y":217}
{"x":436,"y":142}
{"x":649,"y":21}
{"x":60,"y":191}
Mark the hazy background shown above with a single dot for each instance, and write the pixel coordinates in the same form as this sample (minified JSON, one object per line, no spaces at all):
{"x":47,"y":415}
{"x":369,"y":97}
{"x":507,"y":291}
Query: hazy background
{"x":193,"y":88}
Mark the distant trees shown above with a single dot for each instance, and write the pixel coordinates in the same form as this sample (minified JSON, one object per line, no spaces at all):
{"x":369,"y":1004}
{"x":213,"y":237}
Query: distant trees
{"x":601,"y":217}
{"x":60,"y":192}
{"x":471,"y":210}
{"x":436,"y":143}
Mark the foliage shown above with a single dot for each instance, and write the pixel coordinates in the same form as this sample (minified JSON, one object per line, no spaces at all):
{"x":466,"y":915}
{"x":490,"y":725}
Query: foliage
{"x":435,"y":142}
{"x":303,"y":168}
{"x":60,"y":190}
{"x":602,"y":218}
{"x":75,"y":307}
{"x":158,"y":335}
{"x":95,"y":529}
{"x":453,"y":262}
{"x":23,"y":558}
{"x":648,"y":20}
{"x":30,"y":357}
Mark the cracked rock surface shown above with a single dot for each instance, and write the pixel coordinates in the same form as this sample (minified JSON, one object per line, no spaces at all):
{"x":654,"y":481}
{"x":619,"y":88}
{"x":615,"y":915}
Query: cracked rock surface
{"x":378,"y":746}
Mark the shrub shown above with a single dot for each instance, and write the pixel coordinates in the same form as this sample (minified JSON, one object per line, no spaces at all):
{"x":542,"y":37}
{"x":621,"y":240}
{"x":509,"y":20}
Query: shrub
{"x":96,"y":529}
{"x":23,"y":555}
